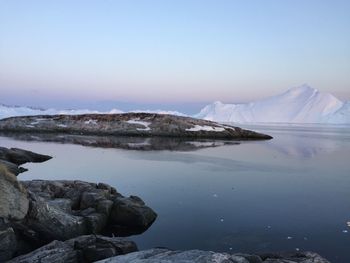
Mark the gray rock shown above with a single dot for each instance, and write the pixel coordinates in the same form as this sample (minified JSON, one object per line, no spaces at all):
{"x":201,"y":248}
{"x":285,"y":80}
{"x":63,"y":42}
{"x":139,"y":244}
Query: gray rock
{"x":82,"y":249}
{"x":197,"y":256}
{"x":55,"y":252}
{"x":19,"y":156}
{"x":104,"y":206}
{"x":12,"y":168}
{"x":65,"y":209}
{"x":291,"y":257}
{"x":132,"y":212}
{"x":13,"y":202}
{"x":8,"y":244}
{"x":52,"y":223}
{"x":96,"y":222}
{"x":63,"y":204}
{"x":169,"y":256}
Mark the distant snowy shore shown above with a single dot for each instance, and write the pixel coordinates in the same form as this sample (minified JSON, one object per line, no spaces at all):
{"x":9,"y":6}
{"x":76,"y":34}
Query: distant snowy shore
{"x":13,"y":111}
{"x":303,"y":105}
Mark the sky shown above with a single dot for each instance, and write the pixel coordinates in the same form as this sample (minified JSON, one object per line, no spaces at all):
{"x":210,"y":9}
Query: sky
{"x":183,"y":52}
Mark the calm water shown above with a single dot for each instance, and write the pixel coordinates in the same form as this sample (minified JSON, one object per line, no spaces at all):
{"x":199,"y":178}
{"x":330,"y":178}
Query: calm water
{"x":290,"y":193}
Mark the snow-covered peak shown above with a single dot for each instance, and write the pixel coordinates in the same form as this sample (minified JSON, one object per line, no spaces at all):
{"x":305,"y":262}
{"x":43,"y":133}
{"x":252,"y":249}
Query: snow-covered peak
{"x":302,"y":104}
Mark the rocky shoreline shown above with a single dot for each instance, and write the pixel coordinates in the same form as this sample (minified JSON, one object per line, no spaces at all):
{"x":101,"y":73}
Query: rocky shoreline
{"x":74,"y":221}
{"x":35,"y":213}
{"x":128,"y":124}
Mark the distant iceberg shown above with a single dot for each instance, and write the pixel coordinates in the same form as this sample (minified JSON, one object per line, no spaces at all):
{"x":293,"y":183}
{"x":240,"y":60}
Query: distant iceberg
{"x":297,"y":105}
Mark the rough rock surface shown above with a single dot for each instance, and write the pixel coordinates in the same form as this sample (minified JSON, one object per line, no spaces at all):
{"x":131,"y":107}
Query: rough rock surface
{"x":8,"y":244}
{"x":13,"y":158}
{"x":88,"y":248}
{"x":65,"y":209}
{"x":19,"y":156}
{"x":133,"y":124}
{"x":198,"y":256}
{"x":34,"y":213}
{"x":13,"y":202}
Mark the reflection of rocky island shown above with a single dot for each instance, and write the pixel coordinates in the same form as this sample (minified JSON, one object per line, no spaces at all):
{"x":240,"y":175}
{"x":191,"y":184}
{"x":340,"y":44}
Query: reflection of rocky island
{"x":128,"y":124}
{"x":123,"y":142}
{"x":60,"y":221}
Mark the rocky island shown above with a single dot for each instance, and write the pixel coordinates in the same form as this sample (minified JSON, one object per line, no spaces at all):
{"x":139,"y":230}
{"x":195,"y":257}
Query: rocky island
{"x":128,"y":124}
{"x":74,"y":221}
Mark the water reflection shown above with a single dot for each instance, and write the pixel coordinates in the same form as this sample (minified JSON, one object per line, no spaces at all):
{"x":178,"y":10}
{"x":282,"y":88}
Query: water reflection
{"x":288,"y":193}
{"x":124,"y":142}
{"x":304,"y":141}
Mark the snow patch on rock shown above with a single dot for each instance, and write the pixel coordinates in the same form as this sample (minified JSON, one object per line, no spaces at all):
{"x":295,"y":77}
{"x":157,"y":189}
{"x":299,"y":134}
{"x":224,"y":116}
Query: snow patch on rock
{"x":143,"y":123}
{"x":206,"y":128}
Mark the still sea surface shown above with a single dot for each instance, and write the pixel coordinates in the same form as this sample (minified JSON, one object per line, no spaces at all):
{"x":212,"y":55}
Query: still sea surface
{"x":289,"y":193}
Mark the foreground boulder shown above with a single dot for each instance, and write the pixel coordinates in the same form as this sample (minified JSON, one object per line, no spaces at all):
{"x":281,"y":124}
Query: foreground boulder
{"x":88,"y":248}
{"x":198,"y":256}
{"x":132,"y":124}
{"x":8,"y":243}
{"x":13,"y":202}
{"x":61,"y":210}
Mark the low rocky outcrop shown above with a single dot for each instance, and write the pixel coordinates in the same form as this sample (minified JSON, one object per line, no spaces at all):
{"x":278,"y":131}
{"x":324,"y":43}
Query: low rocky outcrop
{"x":88,"y":248}
{"x":13,"y":158}
{"x":14,"y":201}
{"x":199,"y":256}
{"x":34,"y":213}
{"x":127,"y":124}
{"x":19,"y":156}
{"x":65,"y":209}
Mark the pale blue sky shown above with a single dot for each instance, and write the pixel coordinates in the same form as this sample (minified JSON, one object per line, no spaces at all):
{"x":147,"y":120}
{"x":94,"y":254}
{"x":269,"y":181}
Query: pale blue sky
{"x":171,"y":51}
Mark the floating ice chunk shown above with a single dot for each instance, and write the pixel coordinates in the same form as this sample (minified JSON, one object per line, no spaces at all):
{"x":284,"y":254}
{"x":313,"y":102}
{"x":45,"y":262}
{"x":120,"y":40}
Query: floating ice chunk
{"x":62,"y":125}
{"x":221,"y":220}
{"x":345,"y":231}
{"x":215,"y":195}
{"x":268,"y":227}
{"x":297,"y":249}
{"x":143,"y":123}
{"x":348,"y":224}
{"x":289,"y":238}
{"x":206,"y":128}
